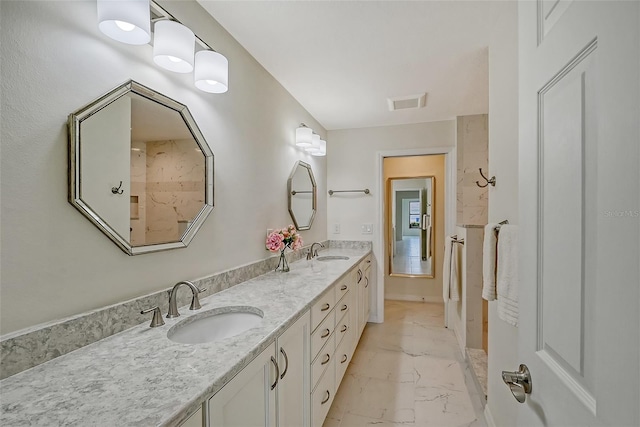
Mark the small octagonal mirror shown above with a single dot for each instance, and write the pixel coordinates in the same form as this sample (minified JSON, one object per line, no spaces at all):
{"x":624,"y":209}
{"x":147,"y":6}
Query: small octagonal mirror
{"x":140,"y":169}
{"x":301,"y":189}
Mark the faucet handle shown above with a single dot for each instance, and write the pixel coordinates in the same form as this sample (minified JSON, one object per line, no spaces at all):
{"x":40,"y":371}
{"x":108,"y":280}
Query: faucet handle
{"x":156,"y":320}
{"x":195,"y":300}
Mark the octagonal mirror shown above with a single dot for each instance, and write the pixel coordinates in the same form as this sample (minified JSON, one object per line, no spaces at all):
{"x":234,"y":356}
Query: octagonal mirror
{"x":140,"y":169}
{"x":301,"y":192}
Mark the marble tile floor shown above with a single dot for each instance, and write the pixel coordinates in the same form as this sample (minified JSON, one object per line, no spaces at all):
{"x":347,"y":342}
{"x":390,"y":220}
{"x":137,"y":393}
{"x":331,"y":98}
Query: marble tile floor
{"x":407,"y":371}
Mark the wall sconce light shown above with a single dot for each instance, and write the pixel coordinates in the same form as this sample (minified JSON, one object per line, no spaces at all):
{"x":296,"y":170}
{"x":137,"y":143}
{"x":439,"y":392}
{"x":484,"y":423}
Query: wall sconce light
{"x":303,"y":136}
{"x":129,"y":21}
{"x":173,"y":46}
{"x":322,"y":151}
{"x":212,"y":72}
{"x":125,"y":21}
{"x":315,"y":143}
{"x":309,"y":141}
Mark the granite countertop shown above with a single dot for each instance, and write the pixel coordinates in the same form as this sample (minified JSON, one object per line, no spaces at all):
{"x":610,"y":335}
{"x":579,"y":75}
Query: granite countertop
{"x":140,"y":378}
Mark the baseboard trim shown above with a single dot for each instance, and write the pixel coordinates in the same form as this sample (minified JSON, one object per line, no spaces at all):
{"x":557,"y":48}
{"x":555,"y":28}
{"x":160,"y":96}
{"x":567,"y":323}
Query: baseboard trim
{"x":400,"y":297}
{"x":488,"y":417}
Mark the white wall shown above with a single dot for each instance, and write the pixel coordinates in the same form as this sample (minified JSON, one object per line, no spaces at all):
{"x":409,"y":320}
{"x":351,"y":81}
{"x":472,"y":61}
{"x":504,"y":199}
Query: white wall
{"x":351,"y":164}
{"x":503,"y":198}
{"x":55,"y":263}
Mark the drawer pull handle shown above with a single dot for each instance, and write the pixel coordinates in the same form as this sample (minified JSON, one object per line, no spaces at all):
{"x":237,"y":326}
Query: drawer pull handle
{"x":327,"y":399}
{"x":344,"y":307}
{"x":343,"y":287}
{"x":368,"y":261}
{"x":367,"y":282}
{"x":325,"y":307}
{"x":344,"y":328}
{"x":324,"y":362}
{"x":325,"y":333}
{"x":344,"y":358}
{"x":273,"y":360}
{"x":286,"y":363}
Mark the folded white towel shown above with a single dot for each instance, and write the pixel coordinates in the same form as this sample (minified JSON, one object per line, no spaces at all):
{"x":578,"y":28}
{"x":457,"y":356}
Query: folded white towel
{"x":507,"y":280}
{"x":489,"y":262}
{"x":450,"y":271}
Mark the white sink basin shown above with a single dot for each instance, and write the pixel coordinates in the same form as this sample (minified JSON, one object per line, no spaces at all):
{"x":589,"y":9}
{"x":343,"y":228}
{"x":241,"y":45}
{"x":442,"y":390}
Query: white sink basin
{"x":332,"y":258}
{"x":215,"y":325}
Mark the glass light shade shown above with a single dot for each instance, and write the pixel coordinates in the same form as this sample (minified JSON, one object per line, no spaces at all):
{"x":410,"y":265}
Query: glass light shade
{"x":303,"y":136}
{"x":322,"y":151}
{"x":127,"y":21}
{"x":173,"y":46}
{"x":315,"y":143}
{"x":212,"y":72}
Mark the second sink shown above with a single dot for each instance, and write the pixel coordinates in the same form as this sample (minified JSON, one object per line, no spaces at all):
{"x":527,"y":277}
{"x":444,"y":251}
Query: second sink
{"x":215,"y":325}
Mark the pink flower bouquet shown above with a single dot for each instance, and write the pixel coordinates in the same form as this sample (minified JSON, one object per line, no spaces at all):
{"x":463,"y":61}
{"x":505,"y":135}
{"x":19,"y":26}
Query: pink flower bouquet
{"x":279,"y":240}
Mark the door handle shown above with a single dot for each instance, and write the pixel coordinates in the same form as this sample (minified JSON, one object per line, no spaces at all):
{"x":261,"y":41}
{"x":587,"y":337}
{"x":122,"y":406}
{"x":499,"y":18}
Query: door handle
{"x":519,"y":382}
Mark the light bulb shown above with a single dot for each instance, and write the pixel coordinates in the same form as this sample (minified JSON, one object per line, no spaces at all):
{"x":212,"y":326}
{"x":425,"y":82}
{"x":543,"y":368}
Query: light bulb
{"x":125,"y":26}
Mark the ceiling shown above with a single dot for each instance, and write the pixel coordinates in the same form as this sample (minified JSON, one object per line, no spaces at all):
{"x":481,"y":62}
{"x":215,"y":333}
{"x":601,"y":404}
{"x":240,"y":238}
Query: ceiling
{"x":342,"y":59}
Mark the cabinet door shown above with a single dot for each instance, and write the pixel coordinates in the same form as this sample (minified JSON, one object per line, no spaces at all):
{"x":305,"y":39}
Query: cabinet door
{"x":248,"y":400}
{"x":293,"y":387}
{"x":367,"y":292}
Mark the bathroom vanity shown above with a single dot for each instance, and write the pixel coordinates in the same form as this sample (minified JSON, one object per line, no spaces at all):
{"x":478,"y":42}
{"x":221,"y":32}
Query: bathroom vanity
{"x":283,"y":372}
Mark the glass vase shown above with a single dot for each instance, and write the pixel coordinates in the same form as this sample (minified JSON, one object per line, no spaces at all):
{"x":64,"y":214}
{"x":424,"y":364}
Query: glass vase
{"x":283,"y":265}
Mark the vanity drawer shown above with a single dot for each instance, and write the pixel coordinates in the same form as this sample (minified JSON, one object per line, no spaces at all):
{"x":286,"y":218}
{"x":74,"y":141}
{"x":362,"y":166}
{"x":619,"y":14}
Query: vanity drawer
{"x":322,"y":396}
{"x":344,"y":285}
{"x":322,"y":362}
{"x":321,"y":308}
{"x":342,"y":357}
{"x":322,"y":334}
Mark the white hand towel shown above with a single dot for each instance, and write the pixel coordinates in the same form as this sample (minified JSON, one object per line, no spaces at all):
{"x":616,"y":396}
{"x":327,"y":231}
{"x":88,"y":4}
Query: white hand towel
{"x":507,"y":280}
{"x":489,"y":262}
{"x":450,"y":275}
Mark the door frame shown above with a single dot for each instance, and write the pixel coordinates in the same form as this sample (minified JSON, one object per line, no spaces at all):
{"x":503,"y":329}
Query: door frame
{"x":450,"y":173}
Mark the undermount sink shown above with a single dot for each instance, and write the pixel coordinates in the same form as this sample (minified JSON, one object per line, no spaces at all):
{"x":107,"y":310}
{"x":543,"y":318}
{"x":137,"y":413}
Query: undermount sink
{"x":332,"y":258}
{"x":215,"y":325}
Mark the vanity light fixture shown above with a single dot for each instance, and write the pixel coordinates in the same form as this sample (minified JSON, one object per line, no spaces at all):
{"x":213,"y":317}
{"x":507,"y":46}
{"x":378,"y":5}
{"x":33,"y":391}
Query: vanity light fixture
{"x":303,"y":136}
{"x":212,"y":72}
{"x":315,"y":143}
{"x":310,"y":141}
{"x":322,"y":151}
{"x":125,"y":21}
{"x":173,"y":46}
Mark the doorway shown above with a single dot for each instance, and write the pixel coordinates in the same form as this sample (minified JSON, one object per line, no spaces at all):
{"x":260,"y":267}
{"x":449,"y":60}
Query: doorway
{"x":414,"y":206}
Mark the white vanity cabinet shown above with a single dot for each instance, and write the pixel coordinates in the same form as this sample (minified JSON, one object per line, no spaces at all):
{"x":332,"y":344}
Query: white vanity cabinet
{"x":273,"y":389}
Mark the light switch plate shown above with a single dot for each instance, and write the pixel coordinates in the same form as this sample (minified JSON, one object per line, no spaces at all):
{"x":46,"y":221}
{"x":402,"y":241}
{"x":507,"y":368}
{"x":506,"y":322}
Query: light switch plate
{"x":336,"y":228}
{"x":367,"y":228}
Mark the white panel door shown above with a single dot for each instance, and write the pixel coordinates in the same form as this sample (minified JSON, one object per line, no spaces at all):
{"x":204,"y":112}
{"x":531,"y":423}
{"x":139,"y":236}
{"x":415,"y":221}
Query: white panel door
{"x":579,"y":211}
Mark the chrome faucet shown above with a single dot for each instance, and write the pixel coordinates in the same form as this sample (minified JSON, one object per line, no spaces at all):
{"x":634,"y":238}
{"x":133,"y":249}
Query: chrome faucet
{"x":313,"y":253}
{"x":173,"y":303}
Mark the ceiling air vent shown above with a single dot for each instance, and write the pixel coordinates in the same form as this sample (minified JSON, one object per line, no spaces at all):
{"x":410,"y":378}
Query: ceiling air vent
{"x":405,"y":102}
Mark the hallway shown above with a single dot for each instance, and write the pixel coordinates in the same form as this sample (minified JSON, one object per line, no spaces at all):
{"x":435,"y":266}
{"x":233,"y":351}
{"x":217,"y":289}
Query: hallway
{"x":407,"y":371}
{"x":407,"y":258}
